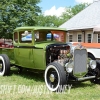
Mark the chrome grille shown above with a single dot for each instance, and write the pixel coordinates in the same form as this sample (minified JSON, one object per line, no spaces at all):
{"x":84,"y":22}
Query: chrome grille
{"x":80,"y":61}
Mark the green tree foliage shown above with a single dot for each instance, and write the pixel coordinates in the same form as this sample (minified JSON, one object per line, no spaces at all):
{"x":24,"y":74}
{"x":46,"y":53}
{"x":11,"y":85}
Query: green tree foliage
{"x":77,"y":8}
{"x":14,"y":13}
{"x":51,"y":21}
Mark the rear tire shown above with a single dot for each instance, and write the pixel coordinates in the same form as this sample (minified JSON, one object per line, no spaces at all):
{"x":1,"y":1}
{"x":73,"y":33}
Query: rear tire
{"x":4,"y":65}
{"x":55,"y":77}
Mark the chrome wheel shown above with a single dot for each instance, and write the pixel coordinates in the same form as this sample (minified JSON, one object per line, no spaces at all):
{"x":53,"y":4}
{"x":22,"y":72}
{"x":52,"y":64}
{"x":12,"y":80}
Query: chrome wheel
{"x":52,"y":78}
{"x":1,"y":66}
{"x":4,"y":65}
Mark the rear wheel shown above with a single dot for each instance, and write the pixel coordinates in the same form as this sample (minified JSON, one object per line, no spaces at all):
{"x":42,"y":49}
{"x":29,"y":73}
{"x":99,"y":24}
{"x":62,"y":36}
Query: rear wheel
{"x":4,"y":65}
{"x":55,"y":77}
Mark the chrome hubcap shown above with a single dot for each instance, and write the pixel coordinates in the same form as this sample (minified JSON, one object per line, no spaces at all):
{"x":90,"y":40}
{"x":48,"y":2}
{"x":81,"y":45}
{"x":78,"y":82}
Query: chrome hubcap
{"x":52,"y":78}
{"x":0,"y":65}
{"x":1,"y":68}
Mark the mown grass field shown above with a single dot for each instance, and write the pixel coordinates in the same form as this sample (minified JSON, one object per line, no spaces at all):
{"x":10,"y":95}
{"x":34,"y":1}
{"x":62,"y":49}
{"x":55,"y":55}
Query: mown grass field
{"x":31,"y":86}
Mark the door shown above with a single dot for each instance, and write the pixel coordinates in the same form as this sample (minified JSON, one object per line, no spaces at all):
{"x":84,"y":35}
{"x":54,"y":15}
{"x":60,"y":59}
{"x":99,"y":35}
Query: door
{"x":24,"y":49}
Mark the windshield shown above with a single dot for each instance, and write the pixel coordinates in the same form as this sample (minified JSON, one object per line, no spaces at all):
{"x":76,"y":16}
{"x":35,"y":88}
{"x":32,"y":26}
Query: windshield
{"x":42,"y":35}
{"x":50,"y":36}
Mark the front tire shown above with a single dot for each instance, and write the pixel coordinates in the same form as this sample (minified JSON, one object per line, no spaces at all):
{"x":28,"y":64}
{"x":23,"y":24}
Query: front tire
{"x":4,"y":65}
{"x":55,"y":77}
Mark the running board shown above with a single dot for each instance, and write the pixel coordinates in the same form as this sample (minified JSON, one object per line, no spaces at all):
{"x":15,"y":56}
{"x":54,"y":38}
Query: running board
{"x":86,"y":78}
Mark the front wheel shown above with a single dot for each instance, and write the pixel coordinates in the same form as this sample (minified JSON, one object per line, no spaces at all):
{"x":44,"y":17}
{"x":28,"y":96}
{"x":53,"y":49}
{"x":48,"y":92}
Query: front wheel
{"x":55,"y":77}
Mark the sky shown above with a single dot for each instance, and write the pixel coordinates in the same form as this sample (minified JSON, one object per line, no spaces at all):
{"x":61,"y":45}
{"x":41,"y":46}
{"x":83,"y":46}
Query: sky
{"x":57,"y":7}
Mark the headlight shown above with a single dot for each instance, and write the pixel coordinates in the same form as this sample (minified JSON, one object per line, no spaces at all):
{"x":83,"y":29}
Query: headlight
{"x":69,"y":67}
{"x":92,"y":64}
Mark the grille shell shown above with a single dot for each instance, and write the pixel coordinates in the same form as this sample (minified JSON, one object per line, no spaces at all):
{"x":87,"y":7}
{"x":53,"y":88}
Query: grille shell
{"x":80,"y":61}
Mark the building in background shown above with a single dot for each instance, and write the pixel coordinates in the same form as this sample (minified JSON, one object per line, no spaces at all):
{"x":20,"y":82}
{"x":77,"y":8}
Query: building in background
{"x":80,"y":27}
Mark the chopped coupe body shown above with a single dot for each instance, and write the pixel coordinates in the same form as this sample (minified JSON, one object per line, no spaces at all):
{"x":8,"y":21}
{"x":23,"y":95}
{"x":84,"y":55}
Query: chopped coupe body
{"x":44,"y":49}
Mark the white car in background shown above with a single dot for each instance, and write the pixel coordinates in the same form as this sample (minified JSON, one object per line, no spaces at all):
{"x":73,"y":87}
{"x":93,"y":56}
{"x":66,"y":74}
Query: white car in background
{"x":93,"y":49}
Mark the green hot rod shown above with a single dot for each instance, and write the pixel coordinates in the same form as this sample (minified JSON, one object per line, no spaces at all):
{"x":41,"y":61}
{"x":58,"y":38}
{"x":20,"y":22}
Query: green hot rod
{"x":44,"y":49}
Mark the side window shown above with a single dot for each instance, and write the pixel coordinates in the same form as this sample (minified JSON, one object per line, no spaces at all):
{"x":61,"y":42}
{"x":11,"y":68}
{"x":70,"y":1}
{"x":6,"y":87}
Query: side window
{"x":70,"y":38}
{"x":98,"y":38}
{"x":49,"y":37}
{"x":79,"y":37}
{"x":16,"y":37}
{"x":40,"y":36}
{"x":25,"y":36}
{"x":89,"y":38}
{"x":59,"y":37}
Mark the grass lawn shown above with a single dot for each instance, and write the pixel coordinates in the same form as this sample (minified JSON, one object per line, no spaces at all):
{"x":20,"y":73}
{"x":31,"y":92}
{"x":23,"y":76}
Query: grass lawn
{"x":31,"y":86}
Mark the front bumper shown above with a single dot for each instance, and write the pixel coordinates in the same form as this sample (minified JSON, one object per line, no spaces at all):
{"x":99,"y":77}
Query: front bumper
{"x":86,"y":78}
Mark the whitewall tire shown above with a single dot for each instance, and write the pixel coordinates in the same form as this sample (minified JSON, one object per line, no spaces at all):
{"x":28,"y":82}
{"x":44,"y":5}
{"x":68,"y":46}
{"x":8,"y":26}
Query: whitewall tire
{"x":4,"y":65}
{"x":55,"y":76}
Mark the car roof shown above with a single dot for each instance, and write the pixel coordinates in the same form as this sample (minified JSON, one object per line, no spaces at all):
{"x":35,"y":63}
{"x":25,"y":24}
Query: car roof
{"x":39,"y":28}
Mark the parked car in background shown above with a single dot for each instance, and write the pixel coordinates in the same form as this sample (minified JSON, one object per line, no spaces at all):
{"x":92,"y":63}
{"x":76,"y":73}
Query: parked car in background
{"x":6,"y":43}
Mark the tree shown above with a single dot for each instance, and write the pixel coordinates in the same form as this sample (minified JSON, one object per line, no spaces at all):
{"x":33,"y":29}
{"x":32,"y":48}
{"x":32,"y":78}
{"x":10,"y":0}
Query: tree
{"x":77,"y":8}
{"x":52,"y":21}
{"x":14,"y":13}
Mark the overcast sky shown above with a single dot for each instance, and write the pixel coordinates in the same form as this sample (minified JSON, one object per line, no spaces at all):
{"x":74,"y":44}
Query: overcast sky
{"x":56,"y":7}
